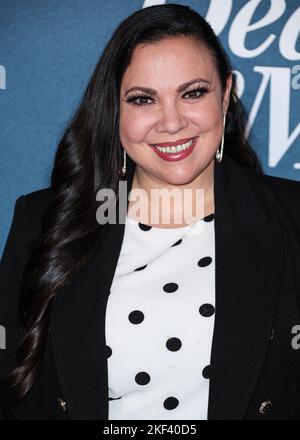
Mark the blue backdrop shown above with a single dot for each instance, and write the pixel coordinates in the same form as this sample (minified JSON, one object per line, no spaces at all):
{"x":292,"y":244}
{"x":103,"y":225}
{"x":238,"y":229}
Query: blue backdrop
{"x":48,"y":50}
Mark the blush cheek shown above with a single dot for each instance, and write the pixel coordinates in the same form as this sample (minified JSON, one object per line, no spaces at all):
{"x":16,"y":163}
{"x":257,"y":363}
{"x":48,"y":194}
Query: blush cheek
{"x":210,"y":132}
{"x":134,"y":128}
{"x":211,"y":127}
{"x":209,"y":120}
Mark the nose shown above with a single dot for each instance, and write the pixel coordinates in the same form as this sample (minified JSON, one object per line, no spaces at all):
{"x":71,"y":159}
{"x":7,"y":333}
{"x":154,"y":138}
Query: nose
{"x":170,"y":119}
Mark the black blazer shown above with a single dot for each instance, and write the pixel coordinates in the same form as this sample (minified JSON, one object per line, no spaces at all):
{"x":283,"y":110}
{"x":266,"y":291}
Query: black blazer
{"x":255,"y":365}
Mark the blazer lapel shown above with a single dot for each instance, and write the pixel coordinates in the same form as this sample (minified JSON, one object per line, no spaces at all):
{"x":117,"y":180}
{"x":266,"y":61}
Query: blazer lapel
{"x":248,"y":248}
{"x":248,"y":264}
{"x":78,"y":327}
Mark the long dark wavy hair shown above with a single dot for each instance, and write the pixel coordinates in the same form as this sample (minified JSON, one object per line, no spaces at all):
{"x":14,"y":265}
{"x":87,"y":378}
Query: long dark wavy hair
{"x":88,"y":158}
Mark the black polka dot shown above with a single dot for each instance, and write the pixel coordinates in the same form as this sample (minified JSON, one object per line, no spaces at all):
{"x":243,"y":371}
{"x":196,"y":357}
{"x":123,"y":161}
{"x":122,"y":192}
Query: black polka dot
{"x":142,"y":378}
{"x":173,"y":344}
{"x":144,"y":227}
{"x":177,"y":242}
{"x":136,"y":317}
{"x":206,"y":310}
{"x":140,"y":268}
{"x":207,"y":372}
{"x":170,"y":287}
{"x":108,"y":351}
{"x":204,"y":261}
{"x":209,"y":218}
{"x":171,"y":403}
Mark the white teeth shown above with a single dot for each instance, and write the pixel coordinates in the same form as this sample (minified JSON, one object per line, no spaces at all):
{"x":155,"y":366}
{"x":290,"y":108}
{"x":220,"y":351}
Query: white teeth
{"x":175,"y":149}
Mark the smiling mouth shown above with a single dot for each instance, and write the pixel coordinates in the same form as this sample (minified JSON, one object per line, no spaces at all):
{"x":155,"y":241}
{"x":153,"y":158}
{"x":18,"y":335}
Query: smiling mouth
{"x":176,"y":147}
{"x":175,"y":152}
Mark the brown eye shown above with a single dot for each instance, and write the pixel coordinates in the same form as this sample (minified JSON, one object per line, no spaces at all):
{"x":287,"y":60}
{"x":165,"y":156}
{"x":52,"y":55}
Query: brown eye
{"x":200,"y":90}
{"x":134,"y":99}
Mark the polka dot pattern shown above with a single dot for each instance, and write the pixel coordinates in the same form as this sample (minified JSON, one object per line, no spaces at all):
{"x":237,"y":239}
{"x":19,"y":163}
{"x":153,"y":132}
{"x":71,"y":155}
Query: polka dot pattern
{"x":142,"y":378}
{"x":173,"y":344}
{"x":159,"y":321}
{"x":204,"y":262}
{"x":170,"y":287}
{"x":145,"y":227}
{"x":136,"y":317}
{"x":108,"y":351}
{"x":209,"y":218}
{"x":171,"y":403}
{"x":207,"y":310}
{"x":207,"y":372}
{"x":177,"y":242}
{"x":141,"y":268}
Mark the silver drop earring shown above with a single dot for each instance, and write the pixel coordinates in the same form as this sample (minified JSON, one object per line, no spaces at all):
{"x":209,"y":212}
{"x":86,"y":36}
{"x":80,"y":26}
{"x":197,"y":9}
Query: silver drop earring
{"x":124,"y":163}
{"x":219,"y":153}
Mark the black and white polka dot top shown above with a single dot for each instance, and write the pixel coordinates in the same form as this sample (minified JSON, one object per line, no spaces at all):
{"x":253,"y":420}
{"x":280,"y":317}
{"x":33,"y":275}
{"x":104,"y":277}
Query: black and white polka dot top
{"x":159,"y":322}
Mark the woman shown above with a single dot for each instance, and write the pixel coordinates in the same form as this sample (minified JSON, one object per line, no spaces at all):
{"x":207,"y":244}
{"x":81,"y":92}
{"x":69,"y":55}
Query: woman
{"x":143,"y":319}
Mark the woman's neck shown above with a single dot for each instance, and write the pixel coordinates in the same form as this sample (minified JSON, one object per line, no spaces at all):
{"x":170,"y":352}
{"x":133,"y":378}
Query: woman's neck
{"x":160,"y":206}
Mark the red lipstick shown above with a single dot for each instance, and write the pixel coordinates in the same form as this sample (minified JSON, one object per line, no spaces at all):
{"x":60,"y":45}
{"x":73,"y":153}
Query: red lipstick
{"x":174,"y":157}
{"x":169,"y":144}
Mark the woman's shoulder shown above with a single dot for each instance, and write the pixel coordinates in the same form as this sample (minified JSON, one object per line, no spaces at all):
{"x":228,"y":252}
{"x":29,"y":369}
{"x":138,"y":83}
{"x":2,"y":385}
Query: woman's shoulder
{"x":37,"y":199}
{"x":283,"y":185}
{"x":285,"y":191}
{"x":28,"y":212}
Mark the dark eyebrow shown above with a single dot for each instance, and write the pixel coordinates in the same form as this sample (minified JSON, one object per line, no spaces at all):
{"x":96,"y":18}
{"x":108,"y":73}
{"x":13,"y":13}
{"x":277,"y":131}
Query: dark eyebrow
{"x":179,"y":89}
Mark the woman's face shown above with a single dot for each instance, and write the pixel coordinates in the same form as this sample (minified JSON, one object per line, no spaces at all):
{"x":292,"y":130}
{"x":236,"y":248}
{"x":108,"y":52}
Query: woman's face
{"x":172,"y":111}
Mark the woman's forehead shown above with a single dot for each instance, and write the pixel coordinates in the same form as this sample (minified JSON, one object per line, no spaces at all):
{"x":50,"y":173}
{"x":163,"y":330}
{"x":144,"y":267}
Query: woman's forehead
{"x":172,"y":48}
{"x":183,"y":59}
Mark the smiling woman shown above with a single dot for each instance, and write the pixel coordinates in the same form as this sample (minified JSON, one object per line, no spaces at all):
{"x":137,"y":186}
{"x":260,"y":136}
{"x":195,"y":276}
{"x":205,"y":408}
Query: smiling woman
{"x":142,"y":319}
{"x":181,"y":121}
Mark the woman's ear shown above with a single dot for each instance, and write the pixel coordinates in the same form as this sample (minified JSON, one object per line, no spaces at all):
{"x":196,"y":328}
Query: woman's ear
{"x":227,"y":93}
